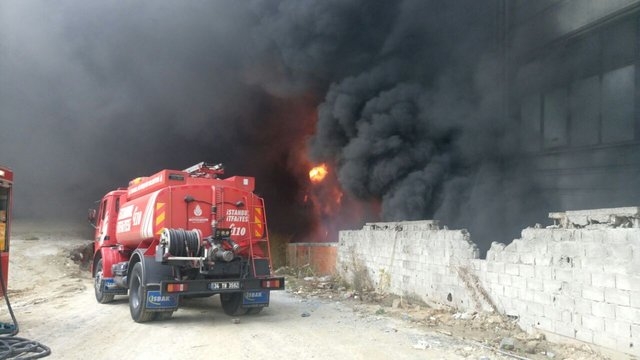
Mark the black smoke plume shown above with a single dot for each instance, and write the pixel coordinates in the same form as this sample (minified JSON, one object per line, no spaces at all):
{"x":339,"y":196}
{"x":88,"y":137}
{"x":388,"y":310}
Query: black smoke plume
{"x":401,"y":97}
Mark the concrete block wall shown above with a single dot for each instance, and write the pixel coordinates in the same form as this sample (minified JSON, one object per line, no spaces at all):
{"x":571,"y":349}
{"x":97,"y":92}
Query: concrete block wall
{"x":582,"y":284}
{"x":577,"y":283}
{"x":415,"y":259}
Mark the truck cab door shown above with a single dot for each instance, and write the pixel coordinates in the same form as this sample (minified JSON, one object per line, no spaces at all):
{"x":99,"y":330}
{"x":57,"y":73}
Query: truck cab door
{"x":102,"y":221}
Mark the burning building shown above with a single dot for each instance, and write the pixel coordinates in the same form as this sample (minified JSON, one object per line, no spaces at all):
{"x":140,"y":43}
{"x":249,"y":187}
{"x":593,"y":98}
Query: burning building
{"x":483,"y":115}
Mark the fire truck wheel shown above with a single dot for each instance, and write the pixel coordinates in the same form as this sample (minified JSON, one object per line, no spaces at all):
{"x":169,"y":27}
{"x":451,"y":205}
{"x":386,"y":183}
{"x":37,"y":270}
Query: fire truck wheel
{"x":100,"y":295}
{"x":138,"y":296}
{"x":164,"y":315}
{"x":232,"y":304}
{"x":254,"y":311}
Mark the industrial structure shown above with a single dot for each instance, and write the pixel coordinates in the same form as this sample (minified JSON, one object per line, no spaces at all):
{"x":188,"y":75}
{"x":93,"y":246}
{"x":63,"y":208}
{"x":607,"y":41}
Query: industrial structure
{"x":571,"y":83}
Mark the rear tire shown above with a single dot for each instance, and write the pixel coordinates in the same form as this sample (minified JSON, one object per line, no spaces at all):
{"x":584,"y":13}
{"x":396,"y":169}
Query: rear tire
{"x":101,"y":297}
{"x":232,"y":304}
{"x":163,"y":315}
{"x":138,"y":296}
{"x":254,"y":311}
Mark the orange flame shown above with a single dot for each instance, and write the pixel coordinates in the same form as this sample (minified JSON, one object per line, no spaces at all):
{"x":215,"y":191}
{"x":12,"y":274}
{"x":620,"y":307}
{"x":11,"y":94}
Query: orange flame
{"x":318,"y":173}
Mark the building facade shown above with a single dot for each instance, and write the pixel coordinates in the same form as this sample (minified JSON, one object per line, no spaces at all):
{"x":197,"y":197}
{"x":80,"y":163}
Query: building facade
{"x":573,"y":85}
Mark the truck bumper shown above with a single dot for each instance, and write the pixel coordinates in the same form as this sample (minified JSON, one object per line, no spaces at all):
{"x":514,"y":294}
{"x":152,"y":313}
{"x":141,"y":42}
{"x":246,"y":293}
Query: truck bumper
{"x":218,"y":286}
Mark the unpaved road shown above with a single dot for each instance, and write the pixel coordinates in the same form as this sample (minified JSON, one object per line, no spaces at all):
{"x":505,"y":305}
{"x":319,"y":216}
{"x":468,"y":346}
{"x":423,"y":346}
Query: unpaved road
{"x":54,"y":303}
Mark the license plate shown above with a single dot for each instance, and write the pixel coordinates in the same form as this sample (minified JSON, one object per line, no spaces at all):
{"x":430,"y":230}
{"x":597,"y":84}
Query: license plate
{"x":224,"y":285}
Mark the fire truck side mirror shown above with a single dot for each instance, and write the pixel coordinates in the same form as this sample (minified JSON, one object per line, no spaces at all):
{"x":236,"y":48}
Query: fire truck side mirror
{"x":92,"y":217}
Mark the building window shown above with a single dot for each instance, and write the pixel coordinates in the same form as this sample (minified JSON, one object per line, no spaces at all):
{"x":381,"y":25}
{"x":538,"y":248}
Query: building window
{"x":555,"y":119}
{"x":530,"y":126}
{"x":617,"y":105}
{"x":585,"y":93}
{"x":584,"y":107}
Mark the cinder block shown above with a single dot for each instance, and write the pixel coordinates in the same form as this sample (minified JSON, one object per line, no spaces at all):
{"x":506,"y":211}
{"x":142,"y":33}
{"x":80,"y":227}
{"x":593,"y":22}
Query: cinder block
{"x":568,"y":317}
{"x":583,"y":306}
{"x":571,"y":249}
{"x":599,"y":279}
{"x":543,"y":260}
{"x":511,"y":292}
{"x":527,"y":258}
{"x":564,"y":329}
{"x":551,"y":286}
{"x":594,"y":250}
{"x":543,"y":272}
{"x":627,"y":282}
{"x":481,"y":266}
{"x":603,"y":310}
{"x":621,"y":252}
{"x":493,"y":278}
{"x":618,"y":297}
{"x":635,"y":299}
{"x":497,"y":290}
{"x":553,"y":313}
{"x":628,"y":346}
{"x":518,"y":282}
{"x":585,"y":335}
{"x":495,"y":267}
{"x":635,"y":331}
{"x":505,"y":279}
{"x":593,"y":323}
{"x":615,"y":268}
{"x":564,"y":302}
{"x":512,"y":269}
{"x":542,"y":298}
{"x":616,"y":236}
{"x":535,"y":284}
{"x":535,"y":309}
{"x":526,"y":271}
{"x":595,"y":264}
{"x":543,"y":323}
{"x":511,"y":257}
{"x":604,"y":340}
{"x":616,"y":328}
{"x":628,"y":314}
{"x":563,"y":275}
{"x":593,"y":293}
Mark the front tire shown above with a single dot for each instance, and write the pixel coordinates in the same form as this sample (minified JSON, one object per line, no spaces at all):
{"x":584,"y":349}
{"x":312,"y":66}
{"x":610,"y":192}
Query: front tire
{"x":138,"y":296}
{"x":101,"y":297}
{"x":232,"y":304}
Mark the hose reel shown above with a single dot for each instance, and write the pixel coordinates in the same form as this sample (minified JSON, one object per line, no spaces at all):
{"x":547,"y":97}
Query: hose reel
{"x":180,"y":242}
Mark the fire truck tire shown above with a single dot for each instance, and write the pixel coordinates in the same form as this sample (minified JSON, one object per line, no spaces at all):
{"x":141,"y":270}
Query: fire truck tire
{"x":232,"y":304}
{"x":100,"y":295}
{"x":164,"y":315}
{"x":254,"y":311}
{"x":138,"y":296}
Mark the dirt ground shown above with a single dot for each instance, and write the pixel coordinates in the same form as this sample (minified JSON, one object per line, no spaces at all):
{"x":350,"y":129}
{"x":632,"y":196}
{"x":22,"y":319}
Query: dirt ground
{"x":315,"y":318}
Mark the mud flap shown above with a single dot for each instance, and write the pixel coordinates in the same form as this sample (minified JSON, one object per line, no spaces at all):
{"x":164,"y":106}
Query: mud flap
{"x":109,"y":286}
{"x":257,"y":298}
{"x":156,"y":301}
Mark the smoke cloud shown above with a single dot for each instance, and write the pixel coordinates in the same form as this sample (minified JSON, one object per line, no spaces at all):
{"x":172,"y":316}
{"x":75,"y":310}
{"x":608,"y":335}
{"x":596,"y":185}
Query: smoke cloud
{"x":399,"y":97}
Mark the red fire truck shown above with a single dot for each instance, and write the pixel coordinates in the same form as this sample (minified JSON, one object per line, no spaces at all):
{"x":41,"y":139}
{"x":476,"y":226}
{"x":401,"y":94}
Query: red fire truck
{"x":183,"y":233}
{"x":6,"y":182}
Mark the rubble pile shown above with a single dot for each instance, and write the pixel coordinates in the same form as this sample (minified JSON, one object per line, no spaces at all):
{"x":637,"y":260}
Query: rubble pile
{"x":499,"y":333}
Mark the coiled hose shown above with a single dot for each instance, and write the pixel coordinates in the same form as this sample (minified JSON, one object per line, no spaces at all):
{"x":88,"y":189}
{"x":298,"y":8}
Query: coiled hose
{"x":182,"y":242}
{"x":13,"y":347}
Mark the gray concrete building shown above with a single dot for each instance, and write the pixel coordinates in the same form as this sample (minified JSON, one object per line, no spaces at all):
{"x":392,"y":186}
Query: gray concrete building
{"x":572,"y":84}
